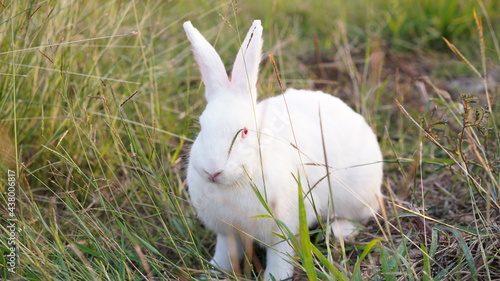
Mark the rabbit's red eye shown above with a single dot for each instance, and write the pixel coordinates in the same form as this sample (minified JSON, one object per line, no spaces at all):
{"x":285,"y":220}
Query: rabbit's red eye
{"x":244,"y":132}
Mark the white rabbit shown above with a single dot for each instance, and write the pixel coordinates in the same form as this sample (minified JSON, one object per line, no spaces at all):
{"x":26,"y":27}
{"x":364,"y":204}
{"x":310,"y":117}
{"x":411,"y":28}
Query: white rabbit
{"x":245,"y":148}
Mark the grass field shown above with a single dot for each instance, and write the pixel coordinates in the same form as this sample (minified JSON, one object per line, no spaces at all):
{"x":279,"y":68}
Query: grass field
{"x":99,"y":103}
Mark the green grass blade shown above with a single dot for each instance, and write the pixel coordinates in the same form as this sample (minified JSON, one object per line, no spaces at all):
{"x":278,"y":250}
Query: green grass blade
{"x":337,"y":275}
{"x":305,"y":250}
{"x":427,"y":273}
{"x":467,"y":253}
{"x":367,"y":249}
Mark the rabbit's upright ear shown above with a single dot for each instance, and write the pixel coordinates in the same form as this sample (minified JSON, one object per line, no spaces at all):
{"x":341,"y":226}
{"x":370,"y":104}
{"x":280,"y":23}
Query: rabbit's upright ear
{"x":213,"y":72}
{"x":246,"y":66}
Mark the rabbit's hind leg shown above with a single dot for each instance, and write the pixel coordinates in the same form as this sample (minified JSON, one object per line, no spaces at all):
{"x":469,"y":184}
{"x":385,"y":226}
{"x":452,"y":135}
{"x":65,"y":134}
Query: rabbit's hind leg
{"x":345,"y":229}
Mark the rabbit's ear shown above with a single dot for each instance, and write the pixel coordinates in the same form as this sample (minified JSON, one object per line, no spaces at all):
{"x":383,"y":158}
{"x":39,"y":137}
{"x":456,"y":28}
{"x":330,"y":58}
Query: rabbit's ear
{"x":246,"y":66}
{"x":213,"y":72}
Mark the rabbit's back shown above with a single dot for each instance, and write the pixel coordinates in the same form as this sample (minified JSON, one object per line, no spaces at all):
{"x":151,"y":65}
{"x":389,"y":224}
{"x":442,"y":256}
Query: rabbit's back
{"x":332,"y":145}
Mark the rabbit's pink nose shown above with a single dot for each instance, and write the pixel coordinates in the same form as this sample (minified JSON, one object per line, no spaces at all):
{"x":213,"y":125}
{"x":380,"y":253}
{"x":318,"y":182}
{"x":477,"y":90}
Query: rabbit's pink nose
{"x":213,"y":177}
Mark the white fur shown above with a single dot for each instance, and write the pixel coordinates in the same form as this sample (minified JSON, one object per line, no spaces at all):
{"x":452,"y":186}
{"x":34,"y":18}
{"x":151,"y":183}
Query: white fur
{"x":286,"y":138}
